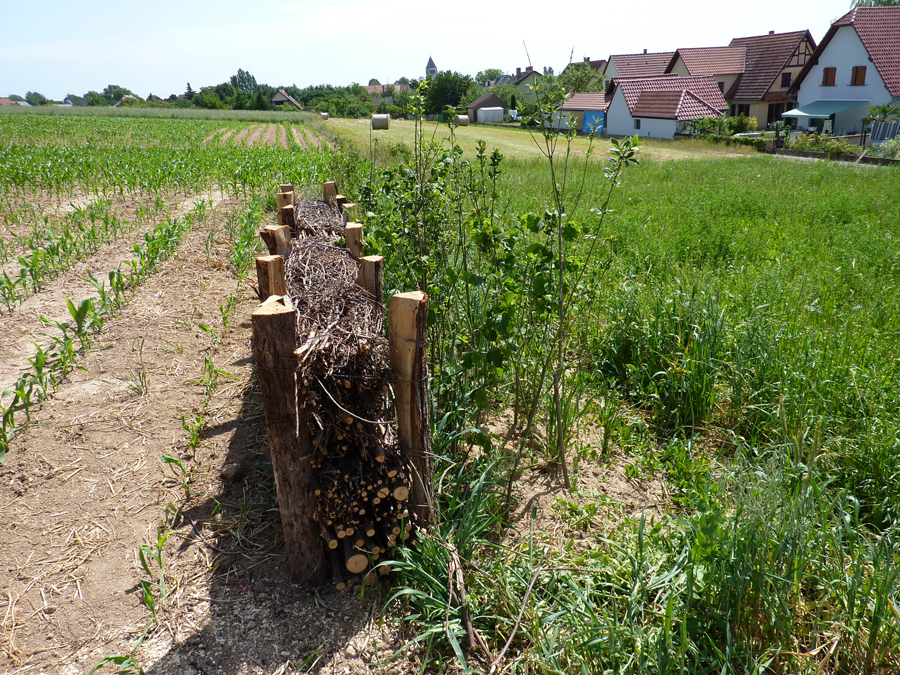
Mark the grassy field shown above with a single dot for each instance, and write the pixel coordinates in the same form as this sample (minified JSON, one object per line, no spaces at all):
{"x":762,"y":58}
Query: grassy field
{"x":725,"y":390}
{"x":512,"y":142}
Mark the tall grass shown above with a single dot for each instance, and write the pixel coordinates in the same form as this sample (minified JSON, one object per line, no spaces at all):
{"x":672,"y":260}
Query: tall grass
{"x":269,"y":116}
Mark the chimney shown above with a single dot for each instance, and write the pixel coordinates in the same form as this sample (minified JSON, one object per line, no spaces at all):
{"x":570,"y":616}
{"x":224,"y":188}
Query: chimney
{"x":587,"y":59}
{"x":771,"y":32}
{"x":645,"y":51}
{"x":529,"y":69}
{"x":518,"y":72}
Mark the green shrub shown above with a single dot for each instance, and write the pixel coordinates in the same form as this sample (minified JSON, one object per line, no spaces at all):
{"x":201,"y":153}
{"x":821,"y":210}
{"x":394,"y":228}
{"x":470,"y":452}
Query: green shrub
{"x":891,"y":148}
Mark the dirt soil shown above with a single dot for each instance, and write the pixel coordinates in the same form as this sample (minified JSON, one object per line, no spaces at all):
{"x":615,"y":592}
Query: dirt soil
{"x":299,"y":137}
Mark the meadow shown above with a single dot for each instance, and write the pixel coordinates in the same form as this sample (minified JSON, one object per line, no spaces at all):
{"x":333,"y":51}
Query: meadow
{"x":666,"y":414}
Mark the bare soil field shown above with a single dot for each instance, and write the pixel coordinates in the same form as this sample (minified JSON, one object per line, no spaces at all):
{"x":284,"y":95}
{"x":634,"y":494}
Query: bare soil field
{"x":299,"y":137}
{"x":270,"y":135}
{"x":255,"y":135}
{"x":240,"y":137}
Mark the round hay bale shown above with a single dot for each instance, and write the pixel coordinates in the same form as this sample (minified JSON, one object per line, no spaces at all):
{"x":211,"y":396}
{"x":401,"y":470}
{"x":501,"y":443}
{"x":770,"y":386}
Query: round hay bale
{"x":461,"y":120}
{"x":324,"y":116}
{"x":381,"y":121}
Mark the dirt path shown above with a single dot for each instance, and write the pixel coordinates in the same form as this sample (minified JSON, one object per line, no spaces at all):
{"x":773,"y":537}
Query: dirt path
{"x":242,"y":135}
{"x":299,"y":137}
{"x":83,"y":488}
{"x":213,"y":135}
{"x":283,"y":136}
{"x":224,"y":138}
{"x":311,"y":138}
{"x":270,"y":135}
{"x":255,"y":136}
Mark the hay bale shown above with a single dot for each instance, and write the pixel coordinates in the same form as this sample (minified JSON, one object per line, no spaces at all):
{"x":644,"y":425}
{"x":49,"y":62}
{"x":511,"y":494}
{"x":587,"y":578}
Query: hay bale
{"x":461,"y":120}
{"x":381,"y":121}
{"x":324,"y":116}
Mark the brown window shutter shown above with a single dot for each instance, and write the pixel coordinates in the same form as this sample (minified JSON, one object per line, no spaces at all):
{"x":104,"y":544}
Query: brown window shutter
{"x":828,"y":77}
{"x":859,"y":76}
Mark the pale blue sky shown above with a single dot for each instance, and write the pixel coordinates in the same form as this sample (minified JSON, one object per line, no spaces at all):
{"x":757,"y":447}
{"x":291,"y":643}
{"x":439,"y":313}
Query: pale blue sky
{"x":71,"y":46}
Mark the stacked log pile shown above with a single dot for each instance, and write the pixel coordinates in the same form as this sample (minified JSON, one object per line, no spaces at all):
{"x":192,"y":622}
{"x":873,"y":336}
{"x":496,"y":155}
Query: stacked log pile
{"x":343,"y":384}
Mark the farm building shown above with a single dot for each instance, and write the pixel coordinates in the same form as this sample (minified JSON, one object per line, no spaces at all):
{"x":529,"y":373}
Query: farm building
{"x":281,"y":96}
{"x":857,"y":65}
{"x":587,"y":110}
{"x":637,"y":65}
{"x":5,"y":102}
{"x":486,"y":101}
{"x":660,"y":106}
{"x":490,"y":115}
{"x":772,"y":63}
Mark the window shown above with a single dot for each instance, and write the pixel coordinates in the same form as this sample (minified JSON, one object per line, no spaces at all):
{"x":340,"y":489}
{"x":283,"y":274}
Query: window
{"x":721,"y":86}
{"x":637,"y":124}
{"x":828,"y":76}
{"x":738,"y":110}
{"x":858,"y":78}
{"x":785,"y":80}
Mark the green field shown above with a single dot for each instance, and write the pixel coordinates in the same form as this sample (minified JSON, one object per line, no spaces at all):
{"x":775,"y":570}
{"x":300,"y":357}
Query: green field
{"x":720,"y":333}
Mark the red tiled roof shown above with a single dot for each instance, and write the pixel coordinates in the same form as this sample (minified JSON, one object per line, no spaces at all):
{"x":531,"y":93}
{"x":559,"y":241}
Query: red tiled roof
{"x":711,"y":60}
{"x":766,"y":58}
{"x":704,"y":88}
{"x":680,"y":105}
{"x":641,"y":65}
{"x":6,"y":102}
{"x":585,"y":101}
{"x":879,"y":31}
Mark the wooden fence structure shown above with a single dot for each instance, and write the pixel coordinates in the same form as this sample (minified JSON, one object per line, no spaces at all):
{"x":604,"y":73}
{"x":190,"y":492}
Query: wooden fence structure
{"x":394,"y":496}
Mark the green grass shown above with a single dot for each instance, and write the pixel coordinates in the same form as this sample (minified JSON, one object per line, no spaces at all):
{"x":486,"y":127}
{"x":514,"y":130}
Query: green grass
{"x":164,"y":113}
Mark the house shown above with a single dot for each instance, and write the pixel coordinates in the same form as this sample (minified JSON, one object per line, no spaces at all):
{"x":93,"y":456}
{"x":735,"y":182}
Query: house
{"x":856,"y":66}
{"x":660,"y":106}
{"x":637,"y":65}
{"x":771,"y":65}
{"x":430,"y":68}
{"x":486,"y":101}
{"x":524,"y":82}
{"x":586,"y":110}
{"x":725,"y":64}
{"x":5,"y":102}
{"x":282,"y":97}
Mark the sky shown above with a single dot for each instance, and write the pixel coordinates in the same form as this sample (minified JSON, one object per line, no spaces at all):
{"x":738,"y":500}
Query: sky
{"x":57,"y":47}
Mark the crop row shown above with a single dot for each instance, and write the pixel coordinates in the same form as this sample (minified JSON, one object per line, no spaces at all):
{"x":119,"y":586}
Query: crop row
{"x":49,"y":250}
{"x":50,"y":365}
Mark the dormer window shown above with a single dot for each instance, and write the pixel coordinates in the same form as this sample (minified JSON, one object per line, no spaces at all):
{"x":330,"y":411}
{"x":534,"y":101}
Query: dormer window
{"x":858,"y":79}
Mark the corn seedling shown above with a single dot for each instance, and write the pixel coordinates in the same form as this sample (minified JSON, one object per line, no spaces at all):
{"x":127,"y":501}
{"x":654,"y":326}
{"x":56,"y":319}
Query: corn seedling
{"x":185,"y":473}
{"x":193,"y":425}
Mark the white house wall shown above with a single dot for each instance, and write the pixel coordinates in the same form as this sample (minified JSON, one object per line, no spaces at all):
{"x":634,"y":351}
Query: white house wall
{"x":619,"y":122}
{"x":843,"y":52}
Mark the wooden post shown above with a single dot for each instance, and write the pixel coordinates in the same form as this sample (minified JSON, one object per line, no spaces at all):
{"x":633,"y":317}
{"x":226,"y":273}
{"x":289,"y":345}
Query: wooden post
{"x":371,"y":275}
{"x":270,"y":276}
{"x":329,"y":191}
{"x":353,"y":236}
{"x":274,"y":340}
{"x":407,"y":318}
{"x":277,"y":239}
{"x":287,"y":187}
{"x":286,"y":217}
{"x":349,"y":211}
{"x":339,"y":201}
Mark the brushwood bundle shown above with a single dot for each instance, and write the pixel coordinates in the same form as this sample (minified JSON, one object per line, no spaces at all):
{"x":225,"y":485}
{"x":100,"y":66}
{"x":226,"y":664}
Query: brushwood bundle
{"x":343,"y":382}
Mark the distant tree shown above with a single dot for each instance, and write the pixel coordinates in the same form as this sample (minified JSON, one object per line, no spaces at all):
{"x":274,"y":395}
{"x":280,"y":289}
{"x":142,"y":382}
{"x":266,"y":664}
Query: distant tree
{"x":114,"y":93}
{"x":189,"y":93}
{"x":548,"y":70}
{"x":15,"y":97}
{"x":374,"y":83}
{"x":580,"y":77}
{"x":474,"y":91}
{"x":488,"y":75}
{"x":244,"y":81}
{"x":876,"y":3}
{"x":93,"y":98}
{"x":260,"y":102}
{"x":507,"y":92}
{"x":446,"y":88}
{"x":402,"y":80}
{"x":34,"y":98}
{"x":513,"y":102}
{"x":206,"y":98}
